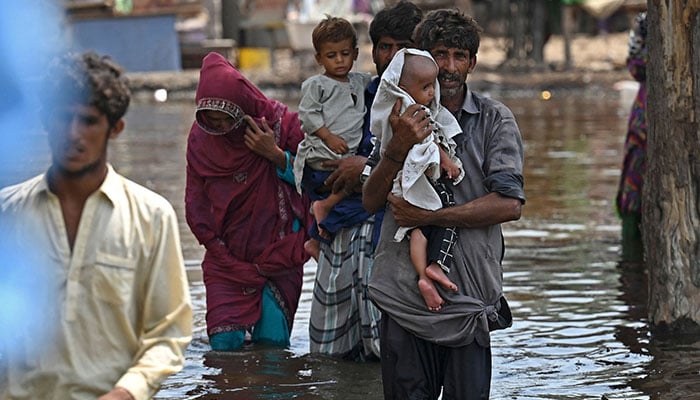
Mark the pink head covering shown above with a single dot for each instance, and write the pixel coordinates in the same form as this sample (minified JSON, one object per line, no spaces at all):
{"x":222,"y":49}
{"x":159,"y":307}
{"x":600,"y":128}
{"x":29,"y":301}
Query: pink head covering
{"x":223,"y":88}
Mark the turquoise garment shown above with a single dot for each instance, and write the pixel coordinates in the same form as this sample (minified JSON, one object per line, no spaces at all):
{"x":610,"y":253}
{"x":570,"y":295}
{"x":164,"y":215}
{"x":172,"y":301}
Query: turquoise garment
{"x":227,"y":341}
{"x":288,"y":176}
{"x":270,"y":329}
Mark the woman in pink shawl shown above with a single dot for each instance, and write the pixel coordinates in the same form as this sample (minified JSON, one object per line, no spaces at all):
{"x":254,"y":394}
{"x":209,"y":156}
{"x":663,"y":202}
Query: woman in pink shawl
{"x":242,"y":206}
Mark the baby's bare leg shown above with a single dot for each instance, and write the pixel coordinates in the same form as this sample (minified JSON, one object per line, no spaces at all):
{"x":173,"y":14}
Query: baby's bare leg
{"x":419,"y":256}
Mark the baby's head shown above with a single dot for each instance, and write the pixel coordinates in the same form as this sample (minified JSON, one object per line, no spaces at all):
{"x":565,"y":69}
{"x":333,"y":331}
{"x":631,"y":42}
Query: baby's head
{"x":335,"y":42}
{"x":418,"y":77}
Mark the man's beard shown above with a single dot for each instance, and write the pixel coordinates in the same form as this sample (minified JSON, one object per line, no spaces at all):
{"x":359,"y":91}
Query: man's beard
{"x":449,"y":93}
{"x":453,"y":91}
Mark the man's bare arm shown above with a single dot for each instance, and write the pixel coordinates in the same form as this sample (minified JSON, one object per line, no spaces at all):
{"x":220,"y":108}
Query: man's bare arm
{"x":490,"y":209}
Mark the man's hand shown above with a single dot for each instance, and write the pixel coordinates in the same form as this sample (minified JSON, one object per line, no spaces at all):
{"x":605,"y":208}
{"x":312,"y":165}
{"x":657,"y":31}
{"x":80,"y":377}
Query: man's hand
{"x":407,"y":214}
{"x":118,"y":393}
{"x":408,"y":128}
{"x":346,"y":176}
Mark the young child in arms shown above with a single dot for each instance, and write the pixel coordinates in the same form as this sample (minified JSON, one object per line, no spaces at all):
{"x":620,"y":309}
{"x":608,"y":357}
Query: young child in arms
{"x":331,"y":111}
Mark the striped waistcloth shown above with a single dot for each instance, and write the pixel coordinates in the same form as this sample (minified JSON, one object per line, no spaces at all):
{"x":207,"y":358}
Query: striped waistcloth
{"x":344,"y":322}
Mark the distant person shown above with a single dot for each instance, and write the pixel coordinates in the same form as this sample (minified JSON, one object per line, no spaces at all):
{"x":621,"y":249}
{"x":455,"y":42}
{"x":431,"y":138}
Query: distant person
{"x":629,"y":195}
{"x":241,"y":205}
{"x":412,"y":77}
{"x":331,"y":110}
{"x":425,"y":353}
{"x":344,"y":322}
{"x":110,"y":248}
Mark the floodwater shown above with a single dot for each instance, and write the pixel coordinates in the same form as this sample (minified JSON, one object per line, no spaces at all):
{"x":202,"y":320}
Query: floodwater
{"x":579,"y":328}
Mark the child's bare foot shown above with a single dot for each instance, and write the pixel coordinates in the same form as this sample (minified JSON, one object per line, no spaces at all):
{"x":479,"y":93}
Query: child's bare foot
{"x":434,"y":272}
{"x":430,"y":295}
{"x":312,"y":248}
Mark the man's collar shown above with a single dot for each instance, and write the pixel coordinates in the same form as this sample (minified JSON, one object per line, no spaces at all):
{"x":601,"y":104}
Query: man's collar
{"x":111,"y":186}
{"x":469,"y":105}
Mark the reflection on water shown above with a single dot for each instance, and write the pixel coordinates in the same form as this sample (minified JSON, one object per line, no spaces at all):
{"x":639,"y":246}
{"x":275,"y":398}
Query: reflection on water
{"x":579,"y":327}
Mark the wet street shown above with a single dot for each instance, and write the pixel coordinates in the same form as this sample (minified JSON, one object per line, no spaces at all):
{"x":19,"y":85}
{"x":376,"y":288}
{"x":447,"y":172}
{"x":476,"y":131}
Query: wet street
{"x":579,"y":328}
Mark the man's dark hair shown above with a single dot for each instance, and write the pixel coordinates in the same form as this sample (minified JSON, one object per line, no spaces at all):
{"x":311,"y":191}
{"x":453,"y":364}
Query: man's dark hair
{"x":450,"y":28}
{"x":396,"y":22}
{"x":89,"y":79}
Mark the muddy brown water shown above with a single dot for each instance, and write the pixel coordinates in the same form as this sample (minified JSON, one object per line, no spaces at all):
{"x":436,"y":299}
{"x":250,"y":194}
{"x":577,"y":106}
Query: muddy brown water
{"x":580,"y":329}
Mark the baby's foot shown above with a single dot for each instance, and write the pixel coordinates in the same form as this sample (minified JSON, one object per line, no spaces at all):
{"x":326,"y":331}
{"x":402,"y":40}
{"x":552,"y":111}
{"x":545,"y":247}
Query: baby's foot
{"x":430,"y":295}
{"x":434,"y":272}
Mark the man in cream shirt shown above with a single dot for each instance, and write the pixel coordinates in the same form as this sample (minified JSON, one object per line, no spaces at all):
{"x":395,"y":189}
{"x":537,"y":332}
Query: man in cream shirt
{"x":109,"y":250}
